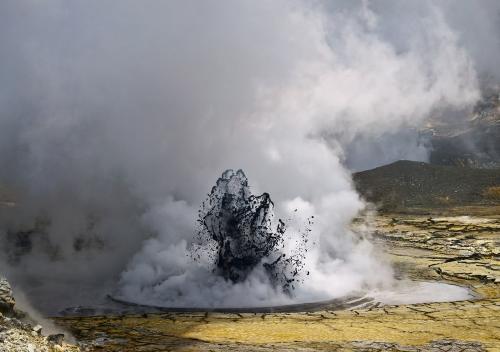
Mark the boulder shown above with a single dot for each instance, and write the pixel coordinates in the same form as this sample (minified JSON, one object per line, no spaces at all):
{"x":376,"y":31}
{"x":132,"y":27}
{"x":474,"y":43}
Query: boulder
{"x":37,"y":330}
{"x":56,"y":339}
{"x":7,"y":301}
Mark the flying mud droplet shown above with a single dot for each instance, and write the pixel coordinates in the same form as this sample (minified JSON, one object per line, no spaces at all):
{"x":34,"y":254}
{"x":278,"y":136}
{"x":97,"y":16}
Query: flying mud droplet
{"x":239,"y":231}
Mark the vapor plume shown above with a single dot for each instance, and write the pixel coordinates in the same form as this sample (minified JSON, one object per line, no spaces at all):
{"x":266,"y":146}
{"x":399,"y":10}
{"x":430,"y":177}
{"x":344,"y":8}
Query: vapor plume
{"x":116,"y":118}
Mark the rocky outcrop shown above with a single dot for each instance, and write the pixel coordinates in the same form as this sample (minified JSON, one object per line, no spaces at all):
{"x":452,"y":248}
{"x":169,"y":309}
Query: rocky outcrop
{"x":19,"y":333}
{"x":474,"y":143}
{"x":7,"y":301}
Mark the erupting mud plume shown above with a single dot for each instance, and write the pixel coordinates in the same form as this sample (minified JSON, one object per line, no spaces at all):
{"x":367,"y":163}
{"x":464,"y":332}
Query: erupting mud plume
{"x":246,"y":233}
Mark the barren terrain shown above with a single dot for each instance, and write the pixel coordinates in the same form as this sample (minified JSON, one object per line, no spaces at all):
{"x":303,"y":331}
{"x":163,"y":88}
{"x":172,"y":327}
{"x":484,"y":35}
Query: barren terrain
{"x":454,"y":249}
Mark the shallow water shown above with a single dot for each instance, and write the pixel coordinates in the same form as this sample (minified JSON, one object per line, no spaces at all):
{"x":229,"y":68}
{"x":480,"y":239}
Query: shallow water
{"x":413,"y":292}
{"x":404,"y":292}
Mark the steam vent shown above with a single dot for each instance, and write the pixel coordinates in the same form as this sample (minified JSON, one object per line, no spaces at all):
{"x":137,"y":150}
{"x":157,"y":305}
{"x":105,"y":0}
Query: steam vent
{"x":242,"y":231}
{"x":215,"y":176}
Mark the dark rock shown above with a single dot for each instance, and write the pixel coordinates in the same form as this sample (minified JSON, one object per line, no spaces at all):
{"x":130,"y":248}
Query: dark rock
{"x":7,"y":301}
{"x":56,"y":339}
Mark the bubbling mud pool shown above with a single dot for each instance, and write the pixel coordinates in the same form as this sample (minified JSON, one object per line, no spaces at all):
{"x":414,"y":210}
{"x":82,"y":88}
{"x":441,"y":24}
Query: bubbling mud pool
{"x":404,"y":292}
{"x":240,"y":235}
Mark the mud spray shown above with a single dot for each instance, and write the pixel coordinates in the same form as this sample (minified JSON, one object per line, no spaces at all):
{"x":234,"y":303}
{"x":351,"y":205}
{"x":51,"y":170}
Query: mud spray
{"x":117,"y":119}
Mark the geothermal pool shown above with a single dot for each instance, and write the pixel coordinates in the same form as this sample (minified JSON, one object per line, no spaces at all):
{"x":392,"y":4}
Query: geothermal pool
{"x":242,"y":260}
{"x":422,"y":292}
{"x":405,"y":292}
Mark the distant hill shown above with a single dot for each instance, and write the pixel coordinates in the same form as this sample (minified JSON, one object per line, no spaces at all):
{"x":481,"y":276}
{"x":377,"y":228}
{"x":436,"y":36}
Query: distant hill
{"x":475,"y":143}
{"x":478,"y":147}
{"x":410,"y":184}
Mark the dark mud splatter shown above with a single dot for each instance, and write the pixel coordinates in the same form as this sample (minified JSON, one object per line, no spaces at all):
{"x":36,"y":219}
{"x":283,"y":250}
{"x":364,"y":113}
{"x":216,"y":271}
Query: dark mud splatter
{"x":239,"y":231}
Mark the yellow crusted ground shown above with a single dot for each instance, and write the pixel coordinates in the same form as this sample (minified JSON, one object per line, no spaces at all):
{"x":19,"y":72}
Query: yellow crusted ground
{"x":453,"y":249}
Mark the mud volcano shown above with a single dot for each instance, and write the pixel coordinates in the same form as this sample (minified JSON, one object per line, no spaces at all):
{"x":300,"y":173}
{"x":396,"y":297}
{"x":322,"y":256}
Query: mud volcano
{"x":240,"y":231}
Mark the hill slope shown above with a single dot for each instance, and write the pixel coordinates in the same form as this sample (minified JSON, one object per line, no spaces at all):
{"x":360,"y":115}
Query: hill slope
{"x":410,"y":184}
{"x":473,"y":143}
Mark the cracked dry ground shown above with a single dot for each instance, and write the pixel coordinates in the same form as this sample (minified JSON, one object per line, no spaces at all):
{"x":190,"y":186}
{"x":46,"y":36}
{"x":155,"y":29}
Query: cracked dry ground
{"x":459,"y":250}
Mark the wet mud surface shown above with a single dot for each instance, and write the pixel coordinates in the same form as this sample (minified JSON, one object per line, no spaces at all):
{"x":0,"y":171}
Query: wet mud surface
{"x":458,"y":250}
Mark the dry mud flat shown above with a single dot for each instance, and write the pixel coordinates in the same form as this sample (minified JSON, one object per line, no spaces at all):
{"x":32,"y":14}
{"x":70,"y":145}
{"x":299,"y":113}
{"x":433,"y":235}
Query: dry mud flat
{"x":460,"y":250}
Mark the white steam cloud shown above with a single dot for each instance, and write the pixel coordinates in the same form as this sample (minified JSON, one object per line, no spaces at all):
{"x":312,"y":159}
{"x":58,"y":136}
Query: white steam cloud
{"x":116,"y":118}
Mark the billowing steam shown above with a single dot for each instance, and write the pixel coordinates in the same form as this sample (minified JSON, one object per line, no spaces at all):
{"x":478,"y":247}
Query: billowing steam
{"x":117,"y":117}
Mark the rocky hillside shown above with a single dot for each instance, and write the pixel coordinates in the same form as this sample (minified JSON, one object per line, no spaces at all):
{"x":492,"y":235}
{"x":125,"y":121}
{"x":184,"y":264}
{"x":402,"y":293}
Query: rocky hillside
{"x":20,"y":333}
{"x":410,"y":184}
{"x":473,"y":143}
